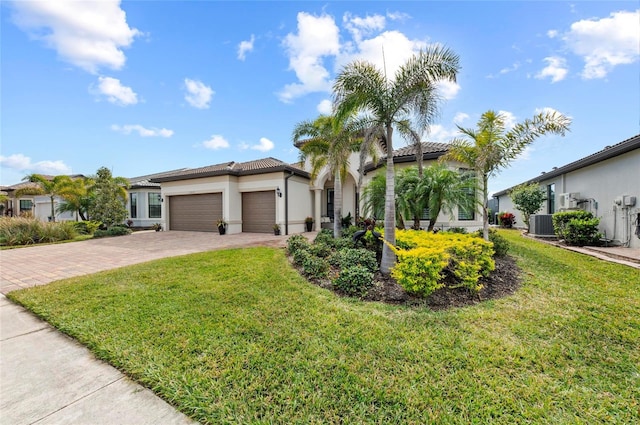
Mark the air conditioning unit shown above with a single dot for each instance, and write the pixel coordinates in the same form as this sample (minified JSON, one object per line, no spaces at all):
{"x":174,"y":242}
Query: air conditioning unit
{"x":541,"y":225}
{"x":568,"y":201}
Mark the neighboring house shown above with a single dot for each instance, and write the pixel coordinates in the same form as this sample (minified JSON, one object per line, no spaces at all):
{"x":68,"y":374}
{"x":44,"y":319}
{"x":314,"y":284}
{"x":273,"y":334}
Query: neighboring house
{"x":249,"y":196}
{"x":607,"y":183}
{"x":37,"y":205}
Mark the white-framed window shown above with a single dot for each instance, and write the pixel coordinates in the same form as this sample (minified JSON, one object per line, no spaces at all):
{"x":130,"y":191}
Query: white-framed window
{"x":133,"y":205}
{"x":155,"y":205}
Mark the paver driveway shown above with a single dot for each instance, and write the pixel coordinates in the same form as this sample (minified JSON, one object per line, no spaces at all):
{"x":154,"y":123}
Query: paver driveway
{"x":39,"y":265}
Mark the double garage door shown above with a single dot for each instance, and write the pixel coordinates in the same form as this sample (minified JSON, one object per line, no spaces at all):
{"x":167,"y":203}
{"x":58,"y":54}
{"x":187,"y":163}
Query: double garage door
{"x":201,"y":212}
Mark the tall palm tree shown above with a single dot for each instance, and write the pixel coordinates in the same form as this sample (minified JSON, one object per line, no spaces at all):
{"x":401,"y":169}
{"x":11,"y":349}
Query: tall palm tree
{"x":77,"y":197}
{"x":329,"y":142}
{"x":53,"y":187}
{"x":490,"y":146}
{"x":412,"y":94}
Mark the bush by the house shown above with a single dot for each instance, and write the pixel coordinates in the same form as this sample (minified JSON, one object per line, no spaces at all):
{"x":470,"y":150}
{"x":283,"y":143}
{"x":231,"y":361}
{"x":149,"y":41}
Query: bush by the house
{"x":424,"y":258}
{"x":348,"y":257}
{"x":325,"y":236}
{"x":87,"y":227}
{"x":506,"y":219}
{"x":295,"y":243}
{"x":312,"y":266}
{"x":112,"y":231}
{"x":321,"y":250}
{"x":26,"y":231}
{"x":500,"y":243}
{"x":354,"y":280}
{"x":577,"y":227}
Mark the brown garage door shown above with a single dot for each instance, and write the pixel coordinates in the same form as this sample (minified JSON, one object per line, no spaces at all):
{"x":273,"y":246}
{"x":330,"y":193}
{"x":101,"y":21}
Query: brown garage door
{"x":195,"y":212}
{"x":258,"y":211}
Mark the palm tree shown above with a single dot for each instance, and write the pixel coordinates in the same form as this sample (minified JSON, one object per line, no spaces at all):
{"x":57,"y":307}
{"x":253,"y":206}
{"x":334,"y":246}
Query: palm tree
{"x":410,"y":201}
{"x":373,"y":197}
{"x":490,"y":147}
{"x":412,"y":94}
{"x":329,"y":142}
{"x":77,"y":197}
{"x":444,"y":189}
{"x":46,"y":186}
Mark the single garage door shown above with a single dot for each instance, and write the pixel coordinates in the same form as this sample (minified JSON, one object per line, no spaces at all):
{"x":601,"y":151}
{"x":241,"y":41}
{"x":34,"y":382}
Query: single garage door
{"x":258,"y":211}
{"x":198,"y":213}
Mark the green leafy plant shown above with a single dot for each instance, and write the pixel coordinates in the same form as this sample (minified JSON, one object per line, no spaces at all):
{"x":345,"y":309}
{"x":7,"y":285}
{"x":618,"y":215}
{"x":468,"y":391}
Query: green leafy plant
{"x":500,"y":243}
{"x":296,"y":243}
{"x":349,"y":257}
{"x":506,"y":219}
{"x":354,"y":280}
{"x":577,"y":227}
{"x":112,"y":231}
{"x":528,"y":199}
{"x":87,"y":227}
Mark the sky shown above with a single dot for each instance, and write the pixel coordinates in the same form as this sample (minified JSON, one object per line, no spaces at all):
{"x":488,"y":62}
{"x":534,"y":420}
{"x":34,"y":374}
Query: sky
{"x":143,"y":87}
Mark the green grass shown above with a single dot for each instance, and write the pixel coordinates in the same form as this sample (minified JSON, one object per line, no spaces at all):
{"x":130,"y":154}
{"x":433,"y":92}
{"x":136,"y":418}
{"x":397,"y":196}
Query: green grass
{"x":238,"y":337}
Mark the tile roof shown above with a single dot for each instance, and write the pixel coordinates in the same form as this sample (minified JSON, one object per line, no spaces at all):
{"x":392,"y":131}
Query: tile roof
{"x":430,"y":150}
{"x":258,"y":166}
{"x":145,"y":181}
{"x":608,"y":152}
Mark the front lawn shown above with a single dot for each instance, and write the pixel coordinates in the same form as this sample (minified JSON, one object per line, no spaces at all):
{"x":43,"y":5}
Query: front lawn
{"x":239,"y":337}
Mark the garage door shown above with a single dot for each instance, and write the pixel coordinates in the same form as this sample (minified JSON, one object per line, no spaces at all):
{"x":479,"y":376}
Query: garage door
{"x":258,"y":211}
{"x":195,"y":212}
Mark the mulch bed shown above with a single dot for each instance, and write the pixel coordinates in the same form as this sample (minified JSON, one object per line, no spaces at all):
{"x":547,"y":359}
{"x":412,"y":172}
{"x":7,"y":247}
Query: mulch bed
{"x":503,"y":281}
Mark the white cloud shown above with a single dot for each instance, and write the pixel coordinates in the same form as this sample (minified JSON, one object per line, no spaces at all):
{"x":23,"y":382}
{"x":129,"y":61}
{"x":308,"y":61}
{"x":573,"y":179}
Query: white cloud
{"x":509,"y":119}
{"x":605,"y":43}
{"x":216,"y":142}
{"x":245,"y":46}
{"x":325,"y":107}
{"x":87,"y":34}
{"x":317,"y":37}
{"x":115,"y":92}
{"x":358,"y":26}
{"x":20,"y":162}
{"x":264,"y":145}
{"x":556,"y":69}
{"x":142,"y":131}
{"x":448,"y":89}
{"x":440,"y":134}
{"x":198,"y":94}
{"x":460,"y":117}
{"x":398,"y":16}
{"x":552,"y":33}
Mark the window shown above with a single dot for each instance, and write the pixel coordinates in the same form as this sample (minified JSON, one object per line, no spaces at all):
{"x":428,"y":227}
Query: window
{"x":551,"y":198}
{"x":26,"y":205}
{"x":155,"y":206}
{"x":133,"y":205}
{"x":466,"y":214}
{"x":330,"y":194}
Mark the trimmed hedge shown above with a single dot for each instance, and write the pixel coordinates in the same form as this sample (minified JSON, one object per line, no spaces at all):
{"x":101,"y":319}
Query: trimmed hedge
{"x":577,"y":228}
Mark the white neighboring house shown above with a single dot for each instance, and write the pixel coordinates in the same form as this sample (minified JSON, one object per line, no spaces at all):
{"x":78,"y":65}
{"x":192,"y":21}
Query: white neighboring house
{"x":607,"y":183}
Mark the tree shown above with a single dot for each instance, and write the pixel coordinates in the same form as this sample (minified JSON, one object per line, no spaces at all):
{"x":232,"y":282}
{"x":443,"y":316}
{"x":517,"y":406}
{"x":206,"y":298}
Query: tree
{"x":444,"y":189}
{"x":109,"y":198}
{"x":386,"y":104}
{"x":53,"y":187}
{"x":329,"y":142}
{"x":528,"y":199}
{"x":373,"y":197}
{"x":490,"y":147}
{"x":77,"y":198}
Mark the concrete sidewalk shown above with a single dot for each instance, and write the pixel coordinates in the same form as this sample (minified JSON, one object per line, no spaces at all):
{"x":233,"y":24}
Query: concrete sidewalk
{"x":48,"y":378}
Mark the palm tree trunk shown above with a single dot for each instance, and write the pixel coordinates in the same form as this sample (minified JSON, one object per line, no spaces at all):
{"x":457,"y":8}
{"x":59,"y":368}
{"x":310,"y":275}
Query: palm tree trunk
{"x":485,"y":207}
{"x":388,"y":256}
{"x":337,"y":206}
{"x":53,"y":213}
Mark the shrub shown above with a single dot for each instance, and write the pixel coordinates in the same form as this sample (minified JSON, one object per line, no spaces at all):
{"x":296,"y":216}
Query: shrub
{"x":500,"y":244}
{"x":87,"y":227}
{"x":354,"y":280}
{"x":26,"y":231}
{"x":112,"y":231}
{"x":461,"y":230}
{"x":577,"y":227}
{"x":349,"y":257}
{"x":312,"y":266}
{"x":325,"y":236}
{"x":296,"y":243}
{"x":420,"y":267}
{"x":506,"y":219}
{"x":322,"y":250}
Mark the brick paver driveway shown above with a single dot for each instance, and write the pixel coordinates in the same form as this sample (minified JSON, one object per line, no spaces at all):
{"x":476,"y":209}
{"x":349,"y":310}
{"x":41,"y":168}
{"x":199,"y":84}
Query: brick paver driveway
{"x":39,"y":265}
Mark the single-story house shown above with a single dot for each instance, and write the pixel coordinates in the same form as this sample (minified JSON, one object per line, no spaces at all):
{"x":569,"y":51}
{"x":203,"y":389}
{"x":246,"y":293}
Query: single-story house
{"x":249,"y":196}
{"x":607,"y":183}
{"x":144,"y":203}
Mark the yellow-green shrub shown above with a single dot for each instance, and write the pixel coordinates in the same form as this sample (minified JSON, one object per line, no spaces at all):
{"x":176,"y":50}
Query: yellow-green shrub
{"x":424,"y":259}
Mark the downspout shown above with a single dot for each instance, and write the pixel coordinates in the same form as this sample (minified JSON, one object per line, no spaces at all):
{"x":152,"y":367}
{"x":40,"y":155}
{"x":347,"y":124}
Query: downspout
{"x":286,"y":203}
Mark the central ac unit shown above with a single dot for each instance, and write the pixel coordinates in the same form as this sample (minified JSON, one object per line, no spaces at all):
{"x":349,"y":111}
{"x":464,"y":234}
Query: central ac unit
{"x":541,"y":225}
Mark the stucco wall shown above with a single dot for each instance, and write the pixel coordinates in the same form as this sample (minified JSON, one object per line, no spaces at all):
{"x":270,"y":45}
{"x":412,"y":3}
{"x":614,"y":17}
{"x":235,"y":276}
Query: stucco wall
{"x":599,"y":185}
{"x":142,"y":219}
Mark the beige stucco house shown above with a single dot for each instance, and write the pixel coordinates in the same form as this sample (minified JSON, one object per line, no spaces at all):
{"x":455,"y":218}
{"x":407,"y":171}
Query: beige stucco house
{"x":607,"y":183}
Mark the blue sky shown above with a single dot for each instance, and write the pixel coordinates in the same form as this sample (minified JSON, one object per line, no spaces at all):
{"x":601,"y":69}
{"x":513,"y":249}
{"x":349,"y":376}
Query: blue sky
{"x":150,"y":86}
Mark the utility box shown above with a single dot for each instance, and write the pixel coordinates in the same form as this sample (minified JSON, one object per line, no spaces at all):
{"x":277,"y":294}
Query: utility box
{"x":541,"y":225}
{"x":629,"y":201}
